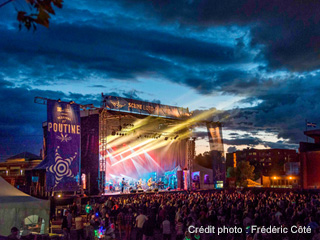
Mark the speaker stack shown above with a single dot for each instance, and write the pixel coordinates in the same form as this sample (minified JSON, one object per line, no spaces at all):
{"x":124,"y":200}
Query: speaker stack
{"x":180,"y":179}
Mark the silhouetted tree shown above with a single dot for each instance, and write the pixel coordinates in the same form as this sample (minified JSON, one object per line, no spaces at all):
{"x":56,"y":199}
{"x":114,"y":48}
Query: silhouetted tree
{"x":241,"y":173}
{"x":204,"y":160}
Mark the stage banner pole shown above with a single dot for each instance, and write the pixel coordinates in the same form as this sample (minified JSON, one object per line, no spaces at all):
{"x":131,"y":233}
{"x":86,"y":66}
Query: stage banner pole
{"x":63,"y":146}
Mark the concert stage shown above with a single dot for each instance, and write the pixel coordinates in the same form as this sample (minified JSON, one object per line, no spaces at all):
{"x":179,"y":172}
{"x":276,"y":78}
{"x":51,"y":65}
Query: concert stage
{"x":135,"y":144}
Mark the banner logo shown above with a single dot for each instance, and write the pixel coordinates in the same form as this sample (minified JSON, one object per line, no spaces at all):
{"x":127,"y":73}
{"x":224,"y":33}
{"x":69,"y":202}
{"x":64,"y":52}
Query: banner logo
{"x":61,"y":168}
{"x":64,"y":138}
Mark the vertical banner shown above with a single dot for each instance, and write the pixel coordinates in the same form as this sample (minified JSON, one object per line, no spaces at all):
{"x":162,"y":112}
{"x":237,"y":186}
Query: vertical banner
{"x":63,"y":146}
{"x":216,"y":150}
{"x":186,"y":179}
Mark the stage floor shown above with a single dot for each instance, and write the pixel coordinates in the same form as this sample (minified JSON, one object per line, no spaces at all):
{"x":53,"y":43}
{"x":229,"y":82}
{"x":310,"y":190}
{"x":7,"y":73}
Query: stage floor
{"x":144,"y":192}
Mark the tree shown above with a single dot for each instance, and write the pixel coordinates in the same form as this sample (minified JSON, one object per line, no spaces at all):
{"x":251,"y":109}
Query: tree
{"x":39,"y":13}
{"x":204,"y":160}
{"x":241,"y":173}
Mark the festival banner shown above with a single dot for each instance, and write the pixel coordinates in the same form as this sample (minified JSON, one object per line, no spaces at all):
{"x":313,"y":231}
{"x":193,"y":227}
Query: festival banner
{"x":63,"y":146}
{"x":142,"y":107}
{"x":216,"y":150}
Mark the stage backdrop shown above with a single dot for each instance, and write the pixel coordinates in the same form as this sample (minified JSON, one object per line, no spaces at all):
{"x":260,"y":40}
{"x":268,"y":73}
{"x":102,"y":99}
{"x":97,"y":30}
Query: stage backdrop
{"x":63,"y":146}
{"x":154,"y":163}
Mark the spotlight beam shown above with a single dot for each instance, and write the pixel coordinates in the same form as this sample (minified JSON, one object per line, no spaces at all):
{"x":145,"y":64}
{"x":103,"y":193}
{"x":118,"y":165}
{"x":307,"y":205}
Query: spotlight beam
{"x":128,"y":149}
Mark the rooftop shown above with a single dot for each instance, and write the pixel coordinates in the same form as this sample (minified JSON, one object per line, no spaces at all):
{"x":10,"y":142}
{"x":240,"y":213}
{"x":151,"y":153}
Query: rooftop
{"x":27,"y":156}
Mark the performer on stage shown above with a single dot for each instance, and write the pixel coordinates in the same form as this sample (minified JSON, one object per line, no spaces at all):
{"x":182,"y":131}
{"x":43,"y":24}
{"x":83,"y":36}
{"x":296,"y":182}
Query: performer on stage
{"x":123,"y":183}
{"x":139,"y":184}
{"x":150,"y":182}
{"x":160,"y":184}
{"x":166,"y":182}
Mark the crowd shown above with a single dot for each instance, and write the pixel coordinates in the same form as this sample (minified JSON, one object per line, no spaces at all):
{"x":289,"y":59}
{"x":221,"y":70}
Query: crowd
{"x":171,"y":215}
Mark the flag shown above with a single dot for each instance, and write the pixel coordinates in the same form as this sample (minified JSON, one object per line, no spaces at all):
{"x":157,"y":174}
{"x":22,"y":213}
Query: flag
{"x":309,"y":124}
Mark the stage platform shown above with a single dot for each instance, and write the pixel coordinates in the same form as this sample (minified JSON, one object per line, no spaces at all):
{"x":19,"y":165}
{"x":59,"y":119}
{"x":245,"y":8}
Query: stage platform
{"x":112,"y":194}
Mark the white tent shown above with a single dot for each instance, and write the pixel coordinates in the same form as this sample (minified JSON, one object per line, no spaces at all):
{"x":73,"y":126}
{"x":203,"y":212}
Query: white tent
{"x":203,"y":172}
{"x":16,"y":206}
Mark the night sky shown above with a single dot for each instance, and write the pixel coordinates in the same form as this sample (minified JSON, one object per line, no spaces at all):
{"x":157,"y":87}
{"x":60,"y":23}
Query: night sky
{"x":255,"y":61}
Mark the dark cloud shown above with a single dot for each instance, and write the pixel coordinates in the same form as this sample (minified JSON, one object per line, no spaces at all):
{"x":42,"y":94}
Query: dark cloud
{"x":255,"y":141}
{"x":21,"y":119}
{"x":232,"y":149}
{"x":200,"y":134}
{"x":97,"y":86}
{"x":133,"y":94}
{"x":234,"y":134}
{"x":111,"y":52}
{"x":287,"y":29}
{"x":250,"y":141}
{"x":281,"y":144}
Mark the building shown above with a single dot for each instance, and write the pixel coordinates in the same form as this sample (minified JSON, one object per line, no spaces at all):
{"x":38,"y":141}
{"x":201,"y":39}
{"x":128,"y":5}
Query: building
{"x":310,"y":160}
{"x":13,"y":170}
{"x":275,"y":167}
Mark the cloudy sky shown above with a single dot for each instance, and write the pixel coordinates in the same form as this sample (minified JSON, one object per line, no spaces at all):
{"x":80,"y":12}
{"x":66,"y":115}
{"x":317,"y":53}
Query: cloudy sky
{"x":256,"y":61}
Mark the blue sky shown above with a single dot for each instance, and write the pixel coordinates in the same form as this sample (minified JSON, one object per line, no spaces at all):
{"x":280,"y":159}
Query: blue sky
{"x":257,"y":62}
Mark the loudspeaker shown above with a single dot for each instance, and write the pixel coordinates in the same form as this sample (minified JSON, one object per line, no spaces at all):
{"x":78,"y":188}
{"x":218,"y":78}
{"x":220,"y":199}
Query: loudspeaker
{"x":156,"y":190}
{"x":180,"y":179}
{"x":149,"y":190}
{"x":133,"y":191}
{"x":140,"y":190}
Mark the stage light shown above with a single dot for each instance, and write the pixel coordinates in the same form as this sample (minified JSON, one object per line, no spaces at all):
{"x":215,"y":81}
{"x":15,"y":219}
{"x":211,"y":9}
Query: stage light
{"x":166,"y":138}
{"x":126,"y":149}
{"x":275,"y":178}
{"x":59,"y":196}
{"x":290,"y":177}
{"x":176,"y":137}
{"x":113,"y":133}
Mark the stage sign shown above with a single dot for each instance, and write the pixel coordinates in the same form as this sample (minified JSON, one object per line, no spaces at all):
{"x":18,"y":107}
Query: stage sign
{"x":141,"y":107}
{"x":63,"y":146}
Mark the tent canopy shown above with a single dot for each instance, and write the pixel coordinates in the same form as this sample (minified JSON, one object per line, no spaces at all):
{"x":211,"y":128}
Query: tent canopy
{"x":15,"y":206}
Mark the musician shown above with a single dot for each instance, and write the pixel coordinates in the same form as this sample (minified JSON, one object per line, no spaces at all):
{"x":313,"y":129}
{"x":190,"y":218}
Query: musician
{"x":161,"y":184}
{"x":123,"y":183}
{"x":150,"y":182}
{"x":166,"y":181}
{"x":139,"y":184}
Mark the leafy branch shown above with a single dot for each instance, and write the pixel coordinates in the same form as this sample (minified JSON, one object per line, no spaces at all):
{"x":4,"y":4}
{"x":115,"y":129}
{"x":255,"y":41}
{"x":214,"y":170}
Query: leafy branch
{"x":40,"y":11}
